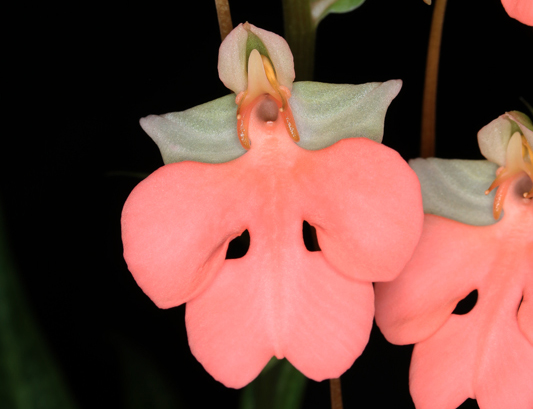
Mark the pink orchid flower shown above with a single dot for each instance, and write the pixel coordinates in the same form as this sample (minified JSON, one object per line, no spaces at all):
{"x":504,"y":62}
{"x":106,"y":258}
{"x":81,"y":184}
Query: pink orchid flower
{"x":521,"y":10}
{"x":314,"y":308}
{"x":486,"y":354}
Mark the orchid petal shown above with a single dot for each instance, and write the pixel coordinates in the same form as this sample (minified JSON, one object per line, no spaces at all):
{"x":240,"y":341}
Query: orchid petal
{"x":164,"y":231}
{"x":454,"y":188}
{"x":206,"y":133}
{"x":444,"y":383}
{"x":327,"y":113}
{"x":462,"y":369}
{"x":521,"y":10}
{"x":314,"y":308}
{"x":421,"y":299}
{"x":524,"y":123}
{"x":279,"y":53}
{"x":306,"y":309}
{"x":233,"y":58}
{"x":365,"y":203}
{"x":494,"y":138}
{"x":350,"y":238}
{"x":233,"y":61}
{"x":486,"y":354}
{"x":481,"y":355}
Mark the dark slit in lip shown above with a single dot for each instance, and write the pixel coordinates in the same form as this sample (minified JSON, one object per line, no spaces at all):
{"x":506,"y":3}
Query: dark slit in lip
{"x":467,"y":304}
{"x":238,"y":247}
{"x":309,"y":236}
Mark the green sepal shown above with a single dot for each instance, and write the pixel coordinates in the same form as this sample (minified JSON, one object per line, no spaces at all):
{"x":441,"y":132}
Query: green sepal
{"x":326,"y":113}
{"x":493,"y":138}
{"x":455,"y":188}
{"x":206,"y":133}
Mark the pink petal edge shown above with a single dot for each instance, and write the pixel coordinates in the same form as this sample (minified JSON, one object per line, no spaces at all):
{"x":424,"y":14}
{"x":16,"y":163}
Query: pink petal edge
{"x":521,"y":10}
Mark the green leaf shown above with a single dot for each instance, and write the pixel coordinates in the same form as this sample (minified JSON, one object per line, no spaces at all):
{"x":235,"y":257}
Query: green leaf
{"x":29,"y":376}
{"x":321,"y":8}
{"x":279,"y":386}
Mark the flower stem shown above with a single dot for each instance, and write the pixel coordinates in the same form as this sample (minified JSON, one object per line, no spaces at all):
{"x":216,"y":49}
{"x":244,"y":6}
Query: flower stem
{"x":336,"y":393}
{"x":224,"y":18}
{"x":300,"y":33}
{"x":429,"y":105}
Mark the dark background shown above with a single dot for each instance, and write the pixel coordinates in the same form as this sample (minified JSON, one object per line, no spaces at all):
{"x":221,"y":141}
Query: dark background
{"x":82,"y":78}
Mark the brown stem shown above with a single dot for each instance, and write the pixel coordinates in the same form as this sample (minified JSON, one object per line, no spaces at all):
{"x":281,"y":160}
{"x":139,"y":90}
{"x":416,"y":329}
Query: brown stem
{"x":336,"y":393}
{"x":224,"y":18}
{"x":429,"y":105}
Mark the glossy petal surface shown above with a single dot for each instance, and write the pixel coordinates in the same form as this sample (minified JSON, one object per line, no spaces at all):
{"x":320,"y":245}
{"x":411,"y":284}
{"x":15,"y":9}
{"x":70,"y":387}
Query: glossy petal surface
{"x":315,"y":308}
{"x":486,"y":354}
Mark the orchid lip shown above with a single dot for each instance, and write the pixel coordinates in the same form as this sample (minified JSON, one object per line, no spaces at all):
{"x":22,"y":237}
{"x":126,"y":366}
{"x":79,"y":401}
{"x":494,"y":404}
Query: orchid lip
{"x":262,"y":80}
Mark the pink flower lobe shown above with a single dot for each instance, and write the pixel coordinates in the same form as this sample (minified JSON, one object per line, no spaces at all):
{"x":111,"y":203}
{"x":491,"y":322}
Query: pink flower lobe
{"x":315,"y":308}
